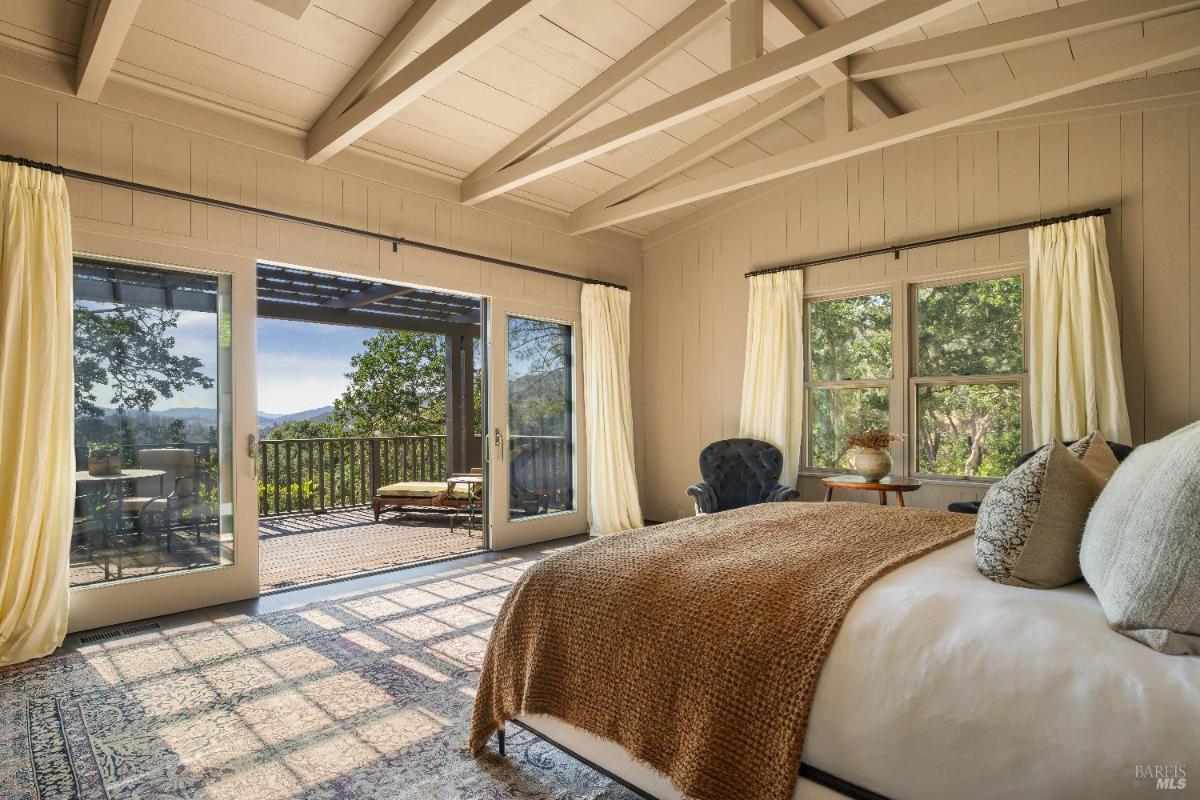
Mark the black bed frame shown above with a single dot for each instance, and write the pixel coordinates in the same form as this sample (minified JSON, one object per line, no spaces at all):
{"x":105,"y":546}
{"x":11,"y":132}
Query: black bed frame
{"x":832,"y":782}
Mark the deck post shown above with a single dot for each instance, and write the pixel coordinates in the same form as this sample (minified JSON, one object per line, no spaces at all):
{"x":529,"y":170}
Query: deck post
{"x":460,"y":401}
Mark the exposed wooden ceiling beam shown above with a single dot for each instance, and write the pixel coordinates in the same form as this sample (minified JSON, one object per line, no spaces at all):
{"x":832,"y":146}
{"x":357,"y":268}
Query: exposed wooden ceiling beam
{"x":105,"y":28}
{"x":1027,"y":31}
{"x":745,"y":31}
{"x":864,"y":29}
{"x":870,"y":104}
{"x":484,"y":29}
{"x":293,"y":8}
{"x":412,"y":33}
{"x":656,"y":47}
{"x":1129,"y":58}
{"x":780,"y":104}
{"x":839,"y":109}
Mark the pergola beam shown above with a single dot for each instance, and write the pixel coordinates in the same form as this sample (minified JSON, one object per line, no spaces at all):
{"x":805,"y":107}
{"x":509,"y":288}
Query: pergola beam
{"x":300,"y":312}
{"x":1153,"y":51}
{"x":864,"y":29}
{"x":1027,"y":31}
{"x":656,"y":47}
{"x":484,"y":29}
{"x":778,"y":105}
{"x":104,"y":31}
{"x":365,"y":297}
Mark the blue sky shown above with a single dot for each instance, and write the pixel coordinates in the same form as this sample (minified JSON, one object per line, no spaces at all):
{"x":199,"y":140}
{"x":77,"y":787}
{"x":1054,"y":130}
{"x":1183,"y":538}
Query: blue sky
{"x":302,"y":365}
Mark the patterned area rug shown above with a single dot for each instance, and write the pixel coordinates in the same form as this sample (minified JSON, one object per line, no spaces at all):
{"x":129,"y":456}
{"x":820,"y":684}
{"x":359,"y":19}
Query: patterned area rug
{"x":367,"y":695}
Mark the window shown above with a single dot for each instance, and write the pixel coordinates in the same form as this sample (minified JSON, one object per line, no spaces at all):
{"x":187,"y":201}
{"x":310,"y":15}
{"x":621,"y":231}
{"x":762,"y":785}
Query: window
{"x":969,"y":384}
{"x":964,"y":394}
{"x":850,"y":371}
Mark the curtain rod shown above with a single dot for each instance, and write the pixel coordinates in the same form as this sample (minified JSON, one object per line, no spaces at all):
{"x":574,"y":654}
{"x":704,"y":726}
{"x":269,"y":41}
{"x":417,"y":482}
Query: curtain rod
{"x":958,"y":237}
{"x":396,"y":241}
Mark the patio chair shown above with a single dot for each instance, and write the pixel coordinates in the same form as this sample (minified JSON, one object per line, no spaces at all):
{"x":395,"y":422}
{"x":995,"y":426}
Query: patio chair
{"x":165,"y":512}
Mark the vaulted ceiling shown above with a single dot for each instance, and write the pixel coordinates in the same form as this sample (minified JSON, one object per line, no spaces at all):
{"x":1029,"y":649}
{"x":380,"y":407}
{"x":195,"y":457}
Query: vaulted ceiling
{"x":621,"y":113}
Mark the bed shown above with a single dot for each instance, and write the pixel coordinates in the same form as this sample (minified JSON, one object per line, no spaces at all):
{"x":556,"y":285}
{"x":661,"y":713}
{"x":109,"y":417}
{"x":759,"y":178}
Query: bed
{"x":942,"y":684}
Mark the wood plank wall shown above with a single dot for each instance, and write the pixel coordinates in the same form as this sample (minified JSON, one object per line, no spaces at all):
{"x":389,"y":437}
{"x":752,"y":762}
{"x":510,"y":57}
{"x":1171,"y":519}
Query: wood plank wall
{"x":1144,"y":164}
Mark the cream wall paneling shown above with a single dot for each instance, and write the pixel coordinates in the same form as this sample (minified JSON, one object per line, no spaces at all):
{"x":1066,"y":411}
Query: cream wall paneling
{"x":1144,"y":164}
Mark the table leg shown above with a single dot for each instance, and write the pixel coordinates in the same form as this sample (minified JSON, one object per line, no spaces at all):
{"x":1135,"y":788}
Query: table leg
{"x":900,"y":499}
{"x":828,"y":493}
{"x":882,"y":497}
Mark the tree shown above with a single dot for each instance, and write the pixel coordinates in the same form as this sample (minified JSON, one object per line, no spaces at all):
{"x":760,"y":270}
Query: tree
{"x":397,"y":387}
{"x":130,"y":351}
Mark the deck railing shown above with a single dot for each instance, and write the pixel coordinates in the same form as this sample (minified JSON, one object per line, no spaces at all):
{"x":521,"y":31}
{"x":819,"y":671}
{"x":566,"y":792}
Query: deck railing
{"x":319,"y":474}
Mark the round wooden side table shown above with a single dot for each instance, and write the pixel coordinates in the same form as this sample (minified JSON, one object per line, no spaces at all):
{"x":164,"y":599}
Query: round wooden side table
{"x":890,"y":483}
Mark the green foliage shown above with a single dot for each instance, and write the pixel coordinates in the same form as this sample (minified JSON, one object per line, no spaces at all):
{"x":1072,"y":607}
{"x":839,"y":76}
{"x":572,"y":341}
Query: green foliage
{"x":130,"y":351}
{"x":969,"y":429}
{"x":834,"y":414}
{"x":303,"y":494}
{"x":971,"y":328}
{"x":103,"y":449}
{"x":308,"y":429}
{"x":397,"y":387}
{"x":851,"y":338}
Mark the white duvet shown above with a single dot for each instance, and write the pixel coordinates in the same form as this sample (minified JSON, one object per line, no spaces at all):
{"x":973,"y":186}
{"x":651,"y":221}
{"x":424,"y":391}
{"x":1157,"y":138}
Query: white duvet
{"x":943,"y":685}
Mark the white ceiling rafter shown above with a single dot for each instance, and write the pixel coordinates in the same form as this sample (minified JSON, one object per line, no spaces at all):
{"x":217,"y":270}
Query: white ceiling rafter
{"x":825,"y":46}
{"x":651,"y":51}
{"x":104,"y":30}
{"x":1155,"y":50}
{"x":1027,"y":31}
{"x":483,"y":30}
{"x":869,"y":103}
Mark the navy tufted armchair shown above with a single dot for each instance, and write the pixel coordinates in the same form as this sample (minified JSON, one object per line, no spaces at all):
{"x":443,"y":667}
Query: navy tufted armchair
{"x":739,"y":472}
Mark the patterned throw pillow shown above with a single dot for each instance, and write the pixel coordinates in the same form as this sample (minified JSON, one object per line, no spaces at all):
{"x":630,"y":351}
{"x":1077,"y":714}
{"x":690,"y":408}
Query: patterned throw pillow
{"x":1031,"y":522}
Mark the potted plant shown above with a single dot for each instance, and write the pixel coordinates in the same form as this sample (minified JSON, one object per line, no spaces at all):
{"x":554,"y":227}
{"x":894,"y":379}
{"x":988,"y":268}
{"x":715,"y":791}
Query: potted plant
{"x":104,"y":458}
{"x":869,"y":456}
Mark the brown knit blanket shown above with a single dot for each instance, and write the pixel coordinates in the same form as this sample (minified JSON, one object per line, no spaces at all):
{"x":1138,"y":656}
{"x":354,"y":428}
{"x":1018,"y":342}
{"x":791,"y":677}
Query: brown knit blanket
{"x":697,"y":645}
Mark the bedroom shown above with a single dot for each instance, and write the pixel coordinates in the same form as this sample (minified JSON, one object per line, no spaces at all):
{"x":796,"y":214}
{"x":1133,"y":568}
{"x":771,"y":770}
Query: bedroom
{"x":611,"y":171}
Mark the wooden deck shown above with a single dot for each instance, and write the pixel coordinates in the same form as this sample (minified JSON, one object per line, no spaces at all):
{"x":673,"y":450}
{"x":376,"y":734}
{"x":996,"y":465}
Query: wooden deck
{"x":300,"y":548}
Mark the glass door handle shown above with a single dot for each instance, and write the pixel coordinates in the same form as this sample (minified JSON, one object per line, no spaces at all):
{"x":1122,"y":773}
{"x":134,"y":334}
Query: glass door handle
{"x":498,"y":440}
{"x":252,"y":451}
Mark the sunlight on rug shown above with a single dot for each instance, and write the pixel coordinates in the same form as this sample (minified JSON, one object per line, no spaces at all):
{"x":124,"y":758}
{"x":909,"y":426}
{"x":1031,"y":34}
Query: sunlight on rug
{"x":367,"y":695}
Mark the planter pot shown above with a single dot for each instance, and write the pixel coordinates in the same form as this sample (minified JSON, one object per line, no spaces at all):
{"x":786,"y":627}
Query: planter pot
{"x":104,"y":465}
{"x":870,"y":463}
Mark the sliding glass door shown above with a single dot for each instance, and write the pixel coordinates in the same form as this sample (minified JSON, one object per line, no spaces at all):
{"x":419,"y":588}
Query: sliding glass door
{"x":536,"y":488}
{"x":159,"y":478}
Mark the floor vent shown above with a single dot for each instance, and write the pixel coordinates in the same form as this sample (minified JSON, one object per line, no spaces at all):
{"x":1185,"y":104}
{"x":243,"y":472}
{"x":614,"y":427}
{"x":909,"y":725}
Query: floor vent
{"x":119,"y":632}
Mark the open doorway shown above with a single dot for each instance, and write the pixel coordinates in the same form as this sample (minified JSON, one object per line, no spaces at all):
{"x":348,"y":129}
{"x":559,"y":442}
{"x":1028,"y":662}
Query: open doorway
{"x":369,"y":448}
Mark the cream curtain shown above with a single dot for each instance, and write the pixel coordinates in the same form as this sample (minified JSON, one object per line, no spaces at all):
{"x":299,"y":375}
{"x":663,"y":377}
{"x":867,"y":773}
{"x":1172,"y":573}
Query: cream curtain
{"x":37,"y":482}
{"x":1075,"y":381}
{"x":614,"y":504}
{"x":773,"y":382}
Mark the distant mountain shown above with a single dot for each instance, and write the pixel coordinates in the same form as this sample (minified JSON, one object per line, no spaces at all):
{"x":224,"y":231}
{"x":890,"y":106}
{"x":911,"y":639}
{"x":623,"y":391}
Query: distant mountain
{"x":209,"y":415}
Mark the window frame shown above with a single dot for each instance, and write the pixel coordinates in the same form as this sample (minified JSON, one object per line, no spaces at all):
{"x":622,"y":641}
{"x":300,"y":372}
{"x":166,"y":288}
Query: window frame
{"x":810,"y":384}
{"x":905,"y":382}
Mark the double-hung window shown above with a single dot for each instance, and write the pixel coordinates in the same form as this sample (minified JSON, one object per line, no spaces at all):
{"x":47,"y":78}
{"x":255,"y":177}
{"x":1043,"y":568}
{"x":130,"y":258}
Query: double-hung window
{"x":850,"y":373}
{"x":968,"y":379}
{"x":946,"y":368}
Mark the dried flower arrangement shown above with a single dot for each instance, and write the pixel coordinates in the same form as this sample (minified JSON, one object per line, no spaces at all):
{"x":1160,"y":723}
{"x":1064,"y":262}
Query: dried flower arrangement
{"x":873,"y":438}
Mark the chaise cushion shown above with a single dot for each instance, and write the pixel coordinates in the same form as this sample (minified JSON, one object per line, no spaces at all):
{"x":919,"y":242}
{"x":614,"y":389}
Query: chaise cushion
{"x":423,"y":489}
{"x":1031,"y":522}
{"x":1141,"y":546}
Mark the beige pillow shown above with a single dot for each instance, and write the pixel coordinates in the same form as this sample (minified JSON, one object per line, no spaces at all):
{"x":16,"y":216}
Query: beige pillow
{"x":1031,"y":522}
